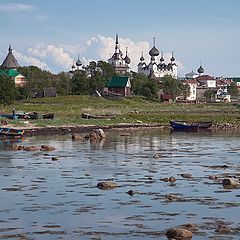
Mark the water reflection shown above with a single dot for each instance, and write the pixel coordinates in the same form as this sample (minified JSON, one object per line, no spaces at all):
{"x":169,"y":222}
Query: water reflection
{"x":45,"y":199}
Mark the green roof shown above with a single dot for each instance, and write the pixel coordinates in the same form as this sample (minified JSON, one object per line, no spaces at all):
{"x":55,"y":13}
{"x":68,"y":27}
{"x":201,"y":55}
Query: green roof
{"x":117,"y":82}
{"x":9,"y":72}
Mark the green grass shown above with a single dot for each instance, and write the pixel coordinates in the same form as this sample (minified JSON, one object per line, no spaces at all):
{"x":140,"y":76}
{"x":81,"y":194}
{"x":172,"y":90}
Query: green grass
{"x":68,"y":110}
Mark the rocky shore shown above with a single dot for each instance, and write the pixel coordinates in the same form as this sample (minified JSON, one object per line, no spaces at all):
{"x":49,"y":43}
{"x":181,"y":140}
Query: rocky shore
{"x":62,"y":130}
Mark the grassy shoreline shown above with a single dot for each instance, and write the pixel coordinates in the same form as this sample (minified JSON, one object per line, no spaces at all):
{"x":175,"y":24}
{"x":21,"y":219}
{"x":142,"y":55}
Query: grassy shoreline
{"x":134,"y":111}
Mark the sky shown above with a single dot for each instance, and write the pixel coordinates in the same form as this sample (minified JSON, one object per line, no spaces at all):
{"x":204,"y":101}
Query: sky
{"x":52,"y":33}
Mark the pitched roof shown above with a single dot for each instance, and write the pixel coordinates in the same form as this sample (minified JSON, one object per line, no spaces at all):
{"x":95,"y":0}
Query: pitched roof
{"x":205,"y":77}
{"x":10,"y":62}
{"x":117,"y":82}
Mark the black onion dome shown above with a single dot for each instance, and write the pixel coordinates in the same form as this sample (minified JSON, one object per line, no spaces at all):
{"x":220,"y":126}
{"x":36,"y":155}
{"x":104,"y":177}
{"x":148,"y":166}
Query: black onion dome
{"x":200,"y":69}
{"x":73,"y":66}
{"x":162,"y":59}
{"x":141,"y":58}
{"x":154,"y":52}
{"x":172,"y":59}
{"x":79,"y":63}
{"x":127,"y":59}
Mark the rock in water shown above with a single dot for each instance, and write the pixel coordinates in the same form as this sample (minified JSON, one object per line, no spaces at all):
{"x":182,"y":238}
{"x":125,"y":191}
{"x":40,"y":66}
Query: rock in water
{"x":47,"y":148}
{"x":76,"y":137}
{"x":179,"y":233}
{"x":106,"y":185}
{"x":230,"y":183}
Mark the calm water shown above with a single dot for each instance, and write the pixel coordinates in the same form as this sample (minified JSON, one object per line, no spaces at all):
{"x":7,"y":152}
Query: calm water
{"x":45,"y":199}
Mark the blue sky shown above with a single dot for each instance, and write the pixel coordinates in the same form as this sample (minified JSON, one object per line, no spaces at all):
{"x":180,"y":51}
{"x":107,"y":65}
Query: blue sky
{"x":51,"y":33}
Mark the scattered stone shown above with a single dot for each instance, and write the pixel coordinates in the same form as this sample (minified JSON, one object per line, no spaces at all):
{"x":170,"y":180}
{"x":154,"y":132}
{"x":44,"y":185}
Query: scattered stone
{"x":31,"y":148}
{"x":131,"y":192}
{"x":186,"y":175}
{"x":230,"y":183}
{"x":212,"y":177}
{"x":222,"y":229}
{"x":156,"y":156}
{"x":191,"y":227}
{"x":179,"y":234}
{"x":76,"y":137}
{"x":170,"y":197}
{"x":164,"y":179}
{"x":55,"y":158}
{"x":100,"y":133}
{"x":106,"y":185}
{"x":172,"y":179}
{"x":47,"y":148}
{"x":15,"y":146}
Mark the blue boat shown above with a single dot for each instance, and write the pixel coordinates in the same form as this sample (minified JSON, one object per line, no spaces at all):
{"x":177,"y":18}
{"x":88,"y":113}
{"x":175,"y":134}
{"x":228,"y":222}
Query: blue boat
{"x":6,"y":133}
{"x":189,"y":126}
{"x":183,"y":126}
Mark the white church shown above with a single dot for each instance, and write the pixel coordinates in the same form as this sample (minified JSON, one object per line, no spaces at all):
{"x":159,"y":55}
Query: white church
{"x":155,"y":68}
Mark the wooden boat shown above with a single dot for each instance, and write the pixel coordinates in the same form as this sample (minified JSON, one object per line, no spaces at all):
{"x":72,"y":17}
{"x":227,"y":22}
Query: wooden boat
{"x":106,"y":116}
{"x":9,"y":115}
{"x":48,"y":115}
{"x":10,"y":133}
{"x":183,"y":126}
{"x":37,"y":115}
{"x":190,"y":126}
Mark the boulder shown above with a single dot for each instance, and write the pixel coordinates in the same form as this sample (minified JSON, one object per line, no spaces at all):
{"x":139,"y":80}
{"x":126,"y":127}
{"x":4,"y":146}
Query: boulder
{"x":76,"y":137}
{"x":156,"y":156}
{"x":230,"y":183}
{"x":100,"y":133}
{"x":31,"y":148}
{"x":94,"y":135}
{"x":55,"y":158}
{"x":47,"y":148}
{"x":172,"y":179}
{"x":179,"y":233}
{"x":164,"y":179}
{"x":186,"y":175}
{"x":106,"y":185}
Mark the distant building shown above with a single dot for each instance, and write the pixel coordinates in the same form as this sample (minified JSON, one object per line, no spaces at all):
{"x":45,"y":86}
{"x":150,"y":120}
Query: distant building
{"x":120,"y":63}
{"x":160,"y":69}
{"x":9,"y":68}
{"x":191,"y":75}
{"x":119,"y":85}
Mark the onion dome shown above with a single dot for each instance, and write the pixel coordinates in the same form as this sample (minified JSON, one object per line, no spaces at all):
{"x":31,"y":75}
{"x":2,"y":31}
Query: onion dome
{"x":161,"y":59}
{"x":73,"y":66}
{"x":200,"y":70}
{"x":78,"y":63}
{"x":127,"y":59}
{"x":154,"y":51}
{"x":172,"y":58}
{"x":141,"y":58}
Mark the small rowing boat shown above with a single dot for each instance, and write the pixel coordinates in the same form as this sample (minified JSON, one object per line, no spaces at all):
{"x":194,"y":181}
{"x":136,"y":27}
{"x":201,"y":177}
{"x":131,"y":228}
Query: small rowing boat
{"x":10,"y":133}
{"x":189,"y":126}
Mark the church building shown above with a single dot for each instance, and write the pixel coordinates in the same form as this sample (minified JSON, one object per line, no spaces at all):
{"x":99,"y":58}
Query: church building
{"x":120,"y":63}
{"x":9,"y":68}
{"x":155,"y":69}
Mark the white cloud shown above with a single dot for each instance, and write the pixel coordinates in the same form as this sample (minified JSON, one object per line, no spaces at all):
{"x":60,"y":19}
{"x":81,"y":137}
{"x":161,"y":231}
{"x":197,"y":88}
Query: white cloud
{"x":60,"y":57}
{"x":15,"y":7}
{"x":28,"y":60}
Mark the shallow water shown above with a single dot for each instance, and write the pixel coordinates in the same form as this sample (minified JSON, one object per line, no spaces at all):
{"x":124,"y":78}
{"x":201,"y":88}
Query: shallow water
{"x":45,"y":199}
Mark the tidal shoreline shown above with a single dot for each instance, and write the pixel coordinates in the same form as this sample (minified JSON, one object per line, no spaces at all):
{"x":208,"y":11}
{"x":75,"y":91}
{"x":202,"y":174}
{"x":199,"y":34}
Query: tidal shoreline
{"x":62,"y":130}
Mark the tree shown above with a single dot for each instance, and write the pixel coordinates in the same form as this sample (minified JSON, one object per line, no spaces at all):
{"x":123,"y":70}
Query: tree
{"x":8,"y":91}
{"x":80,"y":83}
{"x":37,"y":79}
{"x":62,"y":84}
{"x":174,"y":87}
{"x":232,"y":89}
{"x":209,"y":94}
